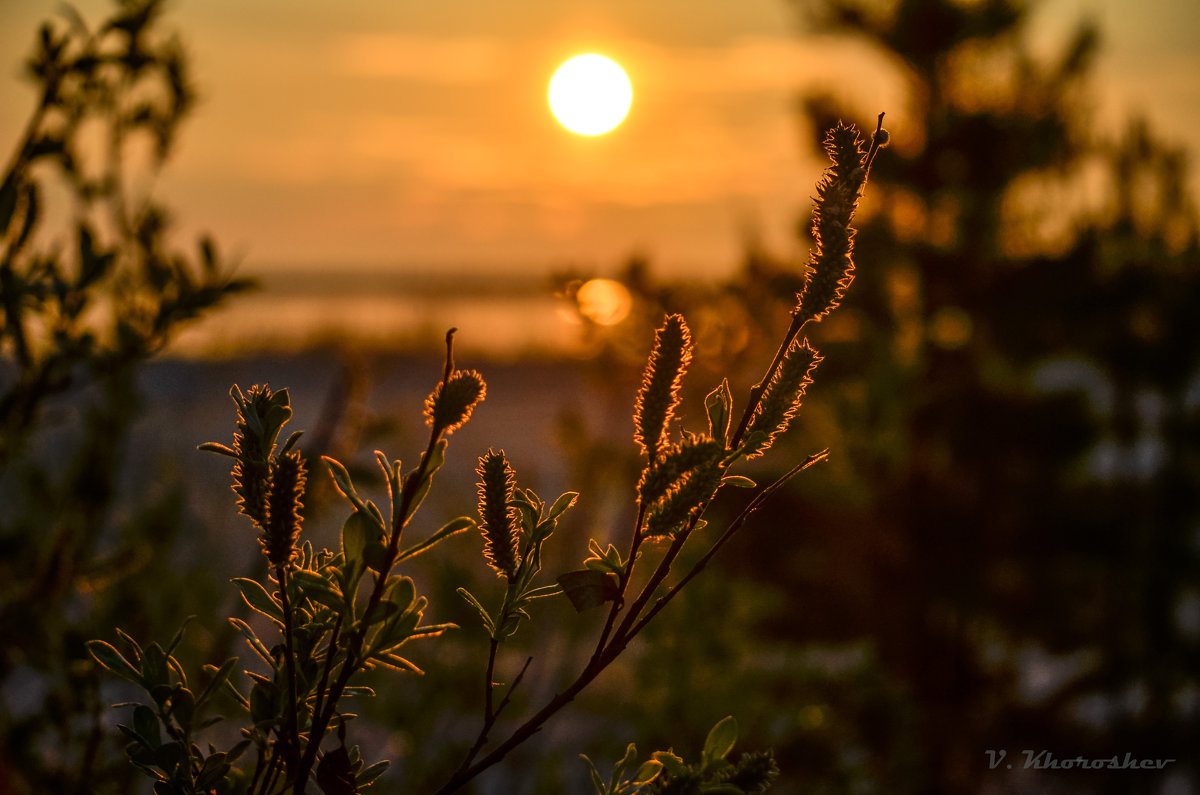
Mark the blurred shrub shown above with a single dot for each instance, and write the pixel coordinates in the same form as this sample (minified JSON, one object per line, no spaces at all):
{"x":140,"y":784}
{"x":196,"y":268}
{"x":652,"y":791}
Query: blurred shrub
{"x":83,"y":308}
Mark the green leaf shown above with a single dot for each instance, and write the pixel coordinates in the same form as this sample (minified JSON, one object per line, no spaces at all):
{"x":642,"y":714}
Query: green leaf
{"x":218,"y":678}
{"x":146,"y":726}
{"x":252,"y":639}
{"x":738,"y":481}
{"x":259,"y":599}
{"x":401,"y":591}
{"x":588,"y":588}
{"x":220,"y":449}
{"x":170,"y":756}
{"x":542,"y":592}
{"x":597,"y":782}
{"x":562,"y":504}
{"x":291,"y":441}
{"x":370,"y":774}
{"x":648,"y":771}
{"x":720,"y":741}
{"x":488,"y":623}
{"x":107,"y":655}
{"x":345,"y":485}
{"x":453,"y":527}
{"x":335,"y":773}
{"x":718,"y":404}
{"x":356,"y":535}
{"x":628,"y":759}
{"x":211,"y":772}
{"x":316,"y":587}
{"x":183,"y":707}
{"x":672,"y":763}
{"x":264,"y":702}
{"x":375,"y":554}
{"x":437,"y":457}
{"x":376,"y":517}
{"x":154,"y":667}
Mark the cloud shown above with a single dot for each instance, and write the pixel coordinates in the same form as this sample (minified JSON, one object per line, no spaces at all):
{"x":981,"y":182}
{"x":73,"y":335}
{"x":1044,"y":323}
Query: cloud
{"x":440,"y":60}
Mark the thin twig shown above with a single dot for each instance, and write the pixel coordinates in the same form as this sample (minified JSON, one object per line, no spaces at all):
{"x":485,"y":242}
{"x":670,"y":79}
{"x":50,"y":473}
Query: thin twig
{"x":623,"y":580}
{"x":291,"y":739}
{"x":734,"y":526}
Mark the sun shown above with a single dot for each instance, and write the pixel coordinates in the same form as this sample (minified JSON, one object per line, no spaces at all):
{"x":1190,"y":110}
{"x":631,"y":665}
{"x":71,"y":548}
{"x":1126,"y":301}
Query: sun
{"x":590,"y":94}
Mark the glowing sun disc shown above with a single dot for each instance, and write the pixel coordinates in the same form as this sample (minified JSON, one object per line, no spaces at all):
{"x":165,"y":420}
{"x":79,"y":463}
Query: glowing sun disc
{"x":590,"y":94}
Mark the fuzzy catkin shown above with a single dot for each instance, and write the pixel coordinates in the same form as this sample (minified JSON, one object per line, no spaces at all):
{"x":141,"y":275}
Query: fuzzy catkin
{"x":251,"y":473}
{"x":659,"y":393}
{"x":783,"y":395}
{"x":832,"y":266}
{"x":497,"y":514}
{"x":450,"y":404}
{"x":284,"y":506}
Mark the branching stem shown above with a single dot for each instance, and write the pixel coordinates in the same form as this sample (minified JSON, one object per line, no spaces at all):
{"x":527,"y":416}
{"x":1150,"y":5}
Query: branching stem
{"x":354,"y":656}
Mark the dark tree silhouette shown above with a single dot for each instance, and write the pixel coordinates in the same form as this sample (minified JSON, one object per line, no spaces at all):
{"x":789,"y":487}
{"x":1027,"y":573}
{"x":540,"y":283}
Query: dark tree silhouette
{"x":1028,"y":431}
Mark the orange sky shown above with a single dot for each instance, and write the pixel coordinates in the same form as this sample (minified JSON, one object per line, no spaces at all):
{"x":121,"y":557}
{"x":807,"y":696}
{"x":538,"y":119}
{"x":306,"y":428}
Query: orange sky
{"x":374,"y":132}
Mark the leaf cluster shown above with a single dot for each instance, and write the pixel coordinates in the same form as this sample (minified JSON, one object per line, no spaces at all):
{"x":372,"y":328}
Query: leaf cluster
{"x":665,"y":773}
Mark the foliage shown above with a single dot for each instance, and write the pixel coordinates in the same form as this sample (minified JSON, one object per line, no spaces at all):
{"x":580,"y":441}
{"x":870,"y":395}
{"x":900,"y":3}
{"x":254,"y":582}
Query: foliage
{"x":334,"y":615}
{"x":665,"y":773}
{"x":83,"y":309}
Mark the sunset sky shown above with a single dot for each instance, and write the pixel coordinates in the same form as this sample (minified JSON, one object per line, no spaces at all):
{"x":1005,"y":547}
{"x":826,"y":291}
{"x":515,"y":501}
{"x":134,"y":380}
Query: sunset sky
{"x":403,"y":134}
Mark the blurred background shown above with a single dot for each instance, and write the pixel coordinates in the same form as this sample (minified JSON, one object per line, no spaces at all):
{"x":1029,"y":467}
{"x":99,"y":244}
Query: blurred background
{"x":1001,"y":554}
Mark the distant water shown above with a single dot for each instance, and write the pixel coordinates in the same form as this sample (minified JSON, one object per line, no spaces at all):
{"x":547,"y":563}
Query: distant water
{"x":495,"y":313}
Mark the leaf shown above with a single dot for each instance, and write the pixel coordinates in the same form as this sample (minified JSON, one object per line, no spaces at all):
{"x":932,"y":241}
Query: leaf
{"x":316,"y":587}
{"x":453,"y":527}
{"x":401,"y":592}
{"x":219,"y":449}
{"x":597,"y":782}
{"x":437,"y":457}
{"x":183,"y":708}
{"x":355,"y":537}
{"x":542,"y":592}
{"x":398,"y":663}
{"x":720,"y":741}
{"x":214,"y":769}
{"x":146,"y":726}
{"x":671,"y":762}
{"x":341,"y":478}
{"x":628,"y":759}
{"x":259,"y":600}
{"x":264,"y":702}
{"x":335,"y":774}
{"x":219,"y":676}
{"x":368,"y":776}
{"x":564,"y":502}
{"x":291,"y":442}
{"x":588,"y":588}
{"x":252,"y":639}
{"x":154,"y":667}
{"x":488,"y":623}
{"x":718,"y":404}
{"x":648,"y":771}
{"x":170,"y":756}
{"x":738,"y":481}
{"x":107,"y":655}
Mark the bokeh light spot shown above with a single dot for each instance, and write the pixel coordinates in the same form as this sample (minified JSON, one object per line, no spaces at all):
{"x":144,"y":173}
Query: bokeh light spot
{"x":604,"y":301}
